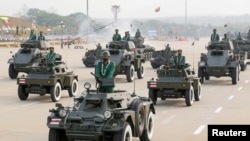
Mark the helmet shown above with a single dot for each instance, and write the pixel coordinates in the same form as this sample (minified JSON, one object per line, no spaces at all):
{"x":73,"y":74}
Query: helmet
{"x":105,"y":53}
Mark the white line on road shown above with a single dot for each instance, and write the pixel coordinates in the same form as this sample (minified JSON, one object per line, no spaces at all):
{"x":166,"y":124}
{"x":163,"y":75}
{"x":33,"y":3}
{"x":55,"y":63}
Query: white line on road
{"x":246,"y":81}
{"x":218,"y":110}
{"x":230,"y":97}
{"x":170,"y":118}
{"x":198,"y":130}
{"x":32,"y":103}
{"x":240,"y":88}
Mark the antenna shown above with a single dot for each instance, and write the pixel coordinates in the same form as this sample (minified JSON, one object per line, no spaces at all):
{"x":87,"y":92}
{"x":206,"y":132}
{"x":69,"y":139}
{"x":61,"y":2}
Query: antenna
{"x":193,"y":54}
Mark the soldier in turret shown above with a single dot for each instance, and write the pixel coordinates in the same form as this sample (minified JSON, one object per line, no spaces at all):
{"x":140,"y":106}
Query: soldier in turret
{"x":116,"y":36}
{"x":215,"y":37}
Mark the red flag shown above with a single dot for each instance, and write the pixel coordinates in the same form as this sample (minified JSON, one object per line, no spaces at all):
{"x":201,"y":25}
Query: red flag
{"x":157,"y":9}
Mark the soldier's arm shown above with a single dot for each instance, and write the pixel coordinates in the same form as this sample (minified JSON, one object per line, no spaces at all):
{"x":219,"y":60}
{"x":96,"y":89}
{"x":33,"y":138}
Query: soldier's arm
{"x":98,"y":70}
{"x":111,"y":70}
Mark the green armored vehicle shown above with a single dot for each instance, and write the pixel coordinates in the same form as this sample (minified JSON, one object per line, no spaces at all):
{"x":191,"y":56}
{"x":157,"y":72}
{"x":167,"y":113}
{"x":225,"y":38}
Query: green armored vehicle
{"x":95,"y":116}
{"x":48,"y":80}
{"x":31,"y":51}
{"x":126,"y":60}
{"x":92,"y":56}
{"x":219,"y":62}
{"x":175,"y":82}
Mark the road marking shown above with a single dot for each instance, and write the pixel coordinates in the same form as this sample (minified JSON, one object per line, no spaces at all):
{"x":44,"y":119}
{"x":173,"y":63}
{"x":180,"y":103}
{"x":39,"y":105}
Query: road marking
{"x":170,"y":118}
{"x":240,"y":88}
{"x":230,"y":97}
{"x":246,"y":81}
{"x":218,"y":110}
{"x":32,"y":103}
{"x":198,"y":130}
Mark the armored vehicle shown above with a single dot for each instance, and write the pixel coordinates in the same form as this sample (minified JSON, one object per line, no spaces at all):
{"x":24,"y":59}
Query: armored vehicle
{"x":92,"y":56}
{"x":219,"y":62}
{"x":141,"y":48}
{"x":159,"y":57}
{"x":96,"y":116}
{"x":175,"y":82}
{"x":126,"y":60}
{"x":48,"y":80}
{"x":30,"y":52}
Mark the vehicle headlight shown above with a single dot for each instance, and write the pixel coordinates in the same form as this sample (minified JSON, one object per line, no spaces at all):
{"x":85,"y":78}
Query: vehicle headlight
{"x":87,"y":85}
{"x":62,"y":113}
{"x":107,"y":114}
{"x":202,"y":64}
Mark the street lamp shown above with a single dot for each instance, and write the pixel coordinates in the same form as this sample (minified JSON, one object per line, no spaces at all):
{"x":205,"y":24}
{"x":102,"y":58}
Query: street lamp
{"x":61,"y":33}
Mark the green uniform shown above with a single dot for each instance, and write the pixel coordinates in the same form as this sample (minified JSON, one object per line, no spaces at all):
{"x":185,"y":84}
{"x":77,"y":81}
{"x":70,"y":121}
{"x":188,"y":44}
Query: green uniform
{"x":238,"y":37}
{"x":105,"y":71}
{"x":225,"y":39}
{"x":126,"y":38}
{"x":179,"y":60}
{"x":215,"y":37}
{"x":137,"y":34}
{"x":51,"y":57}
{"x":117,"y":37}
{"x":41,"y":37}
{"x":32,"y":37}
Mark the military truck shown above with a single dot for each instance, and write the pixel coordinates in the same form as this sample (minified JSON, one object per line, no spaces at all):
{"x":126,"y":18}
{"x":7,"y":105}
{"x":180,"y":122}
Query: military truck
{"x":127,"y":60}
{"x":96,"y":116}
{"x":160,"y":57}
{"x":44,"y":79}
{"x":92,"y":56}
{"x":31,"y":51}
{"x":219,"y":61}
{"x":141,"y":48}
{"x":175,"y":82}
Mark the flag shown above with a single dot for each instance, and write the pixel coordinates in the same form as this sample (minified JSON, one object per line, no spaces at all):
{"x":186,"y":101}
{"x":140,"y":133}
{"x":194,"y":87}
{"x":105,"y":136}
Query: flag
{"x":157,"y":9}
{"x":6,"y":21}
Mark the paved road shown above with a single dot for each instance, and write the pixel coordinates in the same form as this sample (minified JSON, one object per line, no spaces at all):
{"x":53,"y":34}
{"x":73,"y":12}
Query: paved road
{"x":221,"y":103}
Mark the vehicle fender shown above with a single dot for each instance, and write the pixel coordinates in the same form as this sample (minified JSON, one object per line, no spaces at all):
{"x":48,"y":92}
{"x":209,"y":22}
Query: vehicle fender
{"x":10,"y":61}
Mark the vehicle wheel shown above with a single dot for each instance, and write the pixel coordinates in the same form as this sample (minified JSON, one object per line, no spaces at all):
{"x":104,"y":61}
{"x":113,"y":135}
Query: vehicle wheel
{"x":140,"y":120}
{"x":124,"y":135}
{"x":242,"y":67}
{"x":73,"y":89}
{"x":163,"y":98}
{"x":57,"y":135}
{"x":148,"y":132}
{"x":189,"y":96}
{"x":197,"y":93}
{"x":130,"y":70}
{"x":207,"y":77}
{"x":55,"y":92}
{"x":201,"y":74}
{"x":22,"y":94}
{"x":152,"y":95}
{"x":234,"y":75}
{"x":141,"y":71}
{"x":13,"y":73}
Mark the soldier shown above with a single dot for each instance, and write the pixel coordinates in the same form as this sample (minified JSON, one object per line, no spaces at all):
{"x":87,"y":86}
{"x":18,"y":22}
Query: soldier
{"x":51,"y":57}
{"x":105,"y":69}
{"x":167,"y":65}
{"x":41,"y":37}
{"x":116,"y":36}
{"x":238,"y":36}
{"x":179,"y":60}
{"x":138,"y":33}
{"x":32,"y":35}
{"x":126,"y":37}
{"x":225,"y":38}
{"x":167,"y":48}
{"x":215,"y":37}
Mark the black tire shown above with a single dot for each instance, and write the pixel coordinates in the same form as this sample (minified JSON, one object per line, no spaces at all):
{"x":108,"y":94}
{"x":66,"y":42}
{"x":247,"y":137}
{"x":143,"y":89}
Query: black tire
{"x":152,"y":95}
{"x":163,"y":98}
{"x":125,"y":134}
{"x":242,"y":67}
{"x":197,"y":93}
{"x":140,"y":119}
{"x":141,"y":71}
{"x":207,"y":77}
{"x":73,"y":89}
{"x":13,"y":73}
{"x":130,"y":70}
{"x":189,"y":96}
{"x":154,"y":66}
{"x":57,"y":135}
{"x":148,"y":132}
{"x":56,"y":92}
{"x":22,"y":94}
{"x":234,"y":75}
{"x":201,"y":74}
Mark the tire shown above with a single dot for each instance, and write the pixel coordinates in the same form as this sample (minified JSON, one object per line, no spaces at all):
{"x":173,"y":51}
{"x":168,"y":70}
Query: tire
{"x":57,"y":135}
{"x":152,"y":95}
{"x":56,"y":92}
{"x":13,"y":73}
{"x":201,"y":74}
{"x":207,"y":77}
{"x":163,"y":98}
{"x":148,"y":132}
{"x":125,"y":134}
{"x":197,"y":93}
{"x":141,"y":71}
{"x":140,"y":119}
{"x":155,"y":66}
{"x":234,"y":75}
{"x":242,"y":67}
{"x":22,"y":94}
{"x":130,"y":70}
{"x":73,"y":89}
{"x":189,"y":96}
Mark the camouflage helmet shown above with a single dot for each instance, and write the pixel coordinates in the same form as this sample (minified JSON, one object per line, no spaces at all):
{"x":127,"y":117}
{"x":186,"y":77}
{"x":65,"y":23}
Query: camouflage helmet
{"x":105,"y":53}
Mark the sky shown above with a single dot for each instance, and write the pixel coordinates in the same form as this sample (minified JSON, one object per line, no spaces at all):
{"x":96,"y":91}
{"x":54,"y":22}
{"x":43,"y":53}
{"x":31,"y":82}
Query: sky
{"x":131,"y":8}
